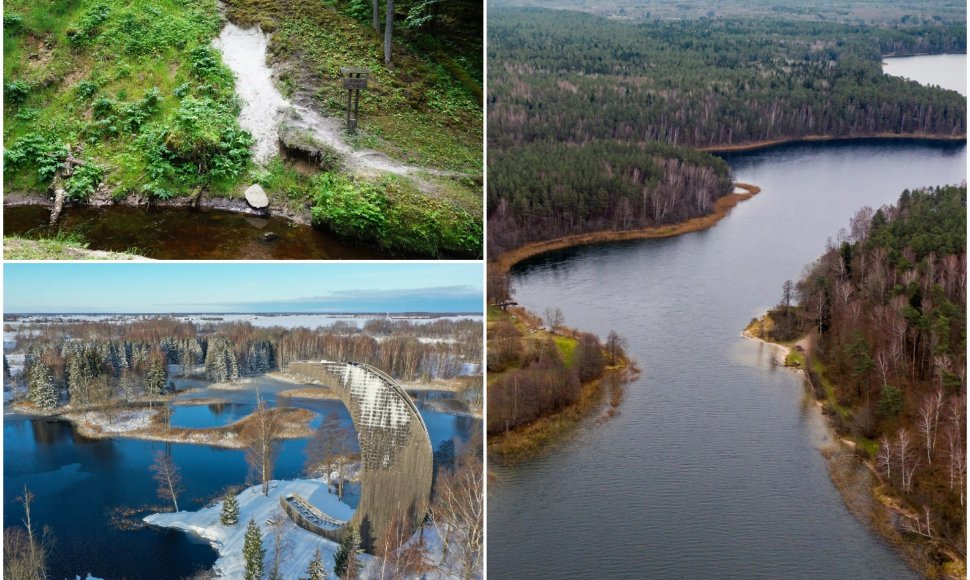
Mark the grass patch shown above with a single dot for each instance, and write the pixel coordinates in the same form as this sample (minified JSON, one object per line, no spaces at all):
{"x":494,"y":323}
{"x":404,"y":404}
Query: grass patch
{"x":567,"y":346}
{"x":60,"y":247}
{"x":831,"y":399}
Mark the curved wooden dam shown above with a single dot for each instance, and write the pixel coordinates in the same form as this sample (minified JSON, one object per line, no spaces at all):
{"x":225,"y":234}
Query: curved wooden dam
{"x":395,"y":450}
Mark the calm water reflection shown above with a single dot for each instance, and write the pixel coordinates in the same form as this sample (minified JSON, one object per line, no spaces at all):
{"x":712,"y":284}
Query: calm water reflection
{"x":713,"y":467}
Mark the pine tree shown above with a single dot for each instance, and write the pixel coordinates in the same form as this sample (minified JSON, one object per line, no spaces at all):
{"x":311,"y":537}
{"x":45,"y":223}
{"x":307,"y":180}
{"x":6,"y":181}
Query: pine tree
{"x":232,"y":369}
{"x":6,"y":369}
{"x":346,"y":562}
{"x":40,"y":386}
{"x":253,"y":552}
{"x":155,"y":379}
{"x":316,"y":570}
{"x":230,"y":510}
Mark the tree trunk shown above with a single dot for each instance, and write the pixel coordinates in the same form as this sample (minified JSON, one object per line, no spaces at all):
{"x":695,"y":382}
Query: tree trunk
{"x":388,"y":31}
{"x":377,"y":15}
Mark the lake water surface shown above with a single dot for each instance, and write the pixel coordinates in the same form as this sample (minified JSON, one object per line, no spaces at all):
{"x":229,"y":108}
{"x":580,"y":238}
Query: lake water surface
{"x":77,"y":481}
{"x":713,"y":468}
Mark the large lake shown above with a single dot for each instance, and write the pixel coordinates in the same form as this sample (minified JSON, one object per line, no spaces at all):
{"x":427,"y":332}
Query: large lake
{"x":713,"y":468}
{"x":77,"y":481}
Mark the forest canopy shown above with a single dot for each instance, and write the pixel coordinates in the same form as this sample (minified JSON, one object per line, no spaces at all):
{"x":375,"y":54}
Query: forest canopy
{"x":570,"y":91}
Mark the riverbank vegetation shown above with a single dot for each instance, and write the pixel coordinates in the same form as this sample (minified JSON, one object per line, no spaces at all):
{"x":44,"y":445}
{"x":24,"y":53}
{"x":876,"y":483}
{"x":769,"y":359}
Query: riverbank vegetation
{"x":118,"y":103}
{"x":604,"y":132}
{"x":544,"y":379}
{"x":885,"y":307}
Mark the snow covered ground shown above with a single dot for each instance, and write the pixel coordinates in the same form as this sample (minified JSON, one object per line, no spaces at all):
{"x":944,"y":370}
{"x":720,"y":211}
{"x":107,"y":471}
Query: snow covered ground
{"x":228,"y":541}
{"x":120,"y":421}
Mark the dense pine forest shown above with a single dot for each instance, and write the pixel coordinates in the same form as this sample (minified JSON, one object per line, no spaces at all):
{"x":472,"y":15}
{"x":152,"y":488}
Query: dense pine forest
{"x":571,"y":92}
{"x":81,"y":363}
{"x":885,"y":309}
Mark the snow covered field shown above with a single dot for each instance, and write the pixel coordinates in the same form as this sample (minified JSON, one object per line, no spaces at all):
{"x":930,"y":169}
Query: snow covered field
{"x":228,"y":541}
{"x":120,"y":421}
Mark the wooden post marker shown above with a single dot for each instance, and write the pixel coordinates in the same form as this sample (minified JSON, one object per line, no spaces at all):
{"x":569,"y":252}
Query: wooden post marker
{"x":355,"y":78}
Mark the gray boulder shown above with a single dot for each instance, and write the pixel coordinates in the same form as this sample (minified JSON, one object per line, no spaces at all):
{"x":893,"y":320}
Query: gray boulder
{"x":256,"y":196}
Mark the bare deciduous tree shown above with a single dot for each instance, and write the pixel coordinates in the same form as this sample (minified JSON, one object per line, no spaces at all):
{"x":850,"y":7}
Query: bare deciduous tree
{"x":330,"y":442}
{"x":25,"y":552}
{"x":928,"y":421}
{"x":884,"y":459}
{"x":907,"y":463}
{"x":615,"y":344}
{"x":261,"y":438}
{"x":401,"y":555}
{"x":554,"y":318}
{"x":458,"y":514}
{"x":166,"y":473}
{"x":282,"y":545}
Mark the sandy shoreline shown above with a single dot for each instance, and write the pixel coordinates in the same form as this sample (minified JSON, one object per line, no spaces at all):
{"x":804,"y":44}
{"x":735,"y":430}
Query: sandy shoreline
{"x":722,"y":207}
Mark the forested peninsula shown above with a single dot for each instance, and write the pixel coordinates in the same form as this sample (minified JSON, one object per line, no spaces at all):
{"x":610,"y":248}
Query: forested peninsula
{"x":600,"y":124}
{"x":879,"y":323}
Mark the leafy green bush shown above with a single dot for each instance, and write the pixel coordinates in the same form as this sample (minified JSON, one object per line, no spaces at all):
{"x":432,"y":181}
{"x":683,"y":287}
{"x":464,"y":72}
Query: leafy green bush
{"x":16,"y":92}
{"x":84,"y":181}
{"x":88,"y":27}
{"x":12,"y":22}
{"x":203,"y":145}
{"x":86,"y":89}
{"x":35,"y":151}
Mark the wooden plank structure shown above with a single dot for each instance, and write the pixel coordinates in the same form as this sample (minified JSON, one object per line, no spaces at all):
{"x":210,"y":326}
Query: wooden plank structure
{"x":395,"y":449}
{"x":355,"y":79}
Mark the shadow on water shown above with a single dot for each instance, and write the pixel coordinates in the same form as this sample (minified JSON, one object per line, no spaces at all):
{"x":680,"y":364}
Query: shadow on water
{"x":177,"y":233}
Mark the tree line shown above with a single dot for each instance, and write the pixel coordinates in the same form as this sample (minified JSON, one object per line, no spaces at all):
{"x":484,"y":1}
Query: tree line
{"x":114,"y":362}
{"x":886,"y":306}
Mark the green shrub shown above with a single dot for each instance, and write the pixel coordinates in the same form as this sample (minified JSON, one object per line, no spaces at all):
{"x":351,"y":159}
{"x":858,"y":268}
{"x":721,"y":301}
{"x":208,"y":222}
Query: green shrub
{"x":12,"y":23}
{"x":84,"y":181}
{"x":88,"y":26}
{"x":86,"y":89}
{"x":890,"y":403}
{"x":27,"y":114}
{"x":35,"y":151}
{"x":202,"y":145}
{"x":16,"y":92}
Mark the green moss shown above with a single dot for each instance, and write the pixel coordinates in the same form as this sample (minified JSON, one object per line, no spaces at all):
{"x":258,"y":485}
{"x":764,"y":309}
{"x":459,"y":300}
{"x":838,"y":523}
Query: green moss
{"x":567,"y":346}
{"x":393,"y":213}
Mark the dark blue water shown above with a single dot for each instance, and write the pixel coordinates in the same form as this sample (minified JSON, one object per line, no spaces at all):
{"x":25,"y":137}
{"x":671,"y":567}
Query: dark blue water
{"x":713,"y":467}
{"x":77,"y":481}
